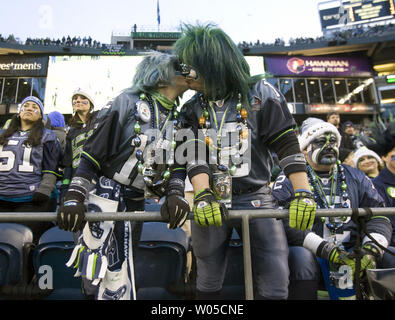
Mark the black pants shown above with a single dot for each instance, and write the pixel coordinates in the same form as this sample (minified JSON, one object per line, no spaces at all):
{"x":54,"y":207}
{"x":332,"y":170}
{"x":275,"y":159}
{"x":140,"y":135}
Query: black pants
{"x":37,"y":227}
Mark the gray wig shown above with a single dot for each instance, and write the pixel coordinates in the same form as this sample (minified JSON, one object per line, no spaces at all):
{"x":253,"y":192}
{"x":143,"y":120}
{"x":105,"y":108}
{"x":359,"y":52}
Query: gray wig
{"x":153,"y":71}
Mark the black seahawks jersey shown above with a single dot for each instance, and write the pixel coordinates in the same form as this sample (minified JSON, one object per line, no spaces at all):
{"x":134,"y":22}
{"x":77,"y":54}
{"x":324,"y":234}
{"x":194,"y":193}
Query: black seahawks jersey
{"x":22,"y":167}
{"x":75,"y":140}
{"x":268,"y":116}
{"x":112,"y":148}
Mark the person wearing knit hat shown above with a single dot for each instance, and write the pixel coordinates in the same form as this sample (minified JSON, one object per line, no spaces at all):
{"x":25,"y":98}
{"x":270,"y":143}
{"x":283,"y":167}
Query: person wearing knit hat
{"x":29,"y":167}
{"x":58,"y":125}
{"x":334,"y":186}
{"x":368,"y":161}
{"x":313,"y":130}
{"x":35,"y":100}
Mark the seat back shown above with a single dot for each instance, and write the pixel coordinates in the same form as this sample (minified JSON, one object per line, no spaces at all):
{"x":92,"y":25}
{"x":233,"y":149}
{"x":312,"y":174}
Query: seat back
{"x":160,"y":261}
{"x":53,"y":251}
{"x":14,"y":239}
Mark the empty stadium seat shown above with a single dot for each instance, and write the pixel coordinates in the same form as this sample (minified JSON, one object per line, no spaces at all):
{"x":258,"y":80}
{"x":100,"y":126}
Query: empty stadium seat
{"x":14,"y":242}
{"x":160,"y":261}
{"x":54,"y":250}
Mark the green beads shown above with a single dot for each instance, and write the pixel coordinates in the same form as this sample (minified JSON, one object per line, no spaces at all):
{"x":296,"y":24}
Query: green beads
{"x":142,"y":96}
{"x":166,"y":174}
{"x":137,"y":128}
{"x":343,"y":186}
{"x":140,"y":168}
{"x":232,"y":170}
{"x":239,"y":106}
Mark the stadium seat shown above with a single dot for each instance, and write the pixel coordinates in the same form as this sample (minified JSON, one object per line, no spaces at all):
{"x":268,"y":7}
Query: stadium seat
{"x":160,"y":261}
{"x":54,"y":249}
{"x":15,"y":241}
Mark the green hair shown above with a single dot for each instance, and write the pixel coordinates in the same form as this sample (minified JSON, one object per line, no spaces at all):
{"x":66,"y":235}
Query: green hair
{"x":154,"y":70}
{"x":215,"y":57}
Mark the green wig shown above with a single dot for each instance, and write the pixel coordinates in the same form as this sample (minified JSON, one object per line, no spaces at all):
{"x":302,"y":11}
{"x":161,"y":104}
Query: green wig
{"x":215,"y":57}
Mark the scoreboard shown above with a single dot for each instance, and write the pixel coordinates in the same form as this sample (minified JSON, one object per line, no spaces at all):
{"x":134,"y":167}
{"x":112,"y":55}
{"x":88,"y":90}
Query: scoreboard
{"x":335,"y":14}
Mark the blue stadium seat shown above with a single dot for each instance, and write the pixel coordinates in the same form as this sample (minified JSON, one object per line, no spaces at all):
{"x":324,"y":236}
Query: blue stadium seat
{"x":54,"y":249}
{"x":14,"y":239}
{"x":160,"y":261}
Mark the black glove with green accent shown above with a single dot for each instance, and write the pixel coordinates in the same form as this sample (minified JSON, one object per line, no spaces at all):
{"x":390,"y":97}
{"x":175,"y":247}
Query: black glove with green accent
{"x":207,"y":210}
{"x":302,"y":210}
{"x":175,"y":209}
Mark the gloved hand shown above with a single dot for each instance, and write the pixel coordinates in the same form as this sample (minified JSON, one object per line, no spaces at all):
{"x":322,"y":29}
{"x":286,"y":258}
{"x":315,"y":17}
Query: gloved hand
{"x":207,"y":210}
{"x":340,"y":257}
{"x":302,"y":210}
{"x":71,"y":213}
{"x":175,"y":210}
{"x":39,"y":198}
{"x":89,"y":255}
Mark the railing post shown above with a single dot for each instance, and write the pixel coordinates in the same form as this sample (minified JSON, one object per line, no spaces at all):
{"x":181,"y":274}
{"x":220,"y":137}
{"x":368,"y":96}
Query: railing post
{"x":249,"y":292}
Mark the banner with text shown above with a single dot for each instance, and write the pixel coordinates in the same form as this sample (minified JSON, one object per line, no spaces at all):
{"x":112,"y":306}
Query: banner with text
{"x":22,"y":66}
{"x":318,"y":66}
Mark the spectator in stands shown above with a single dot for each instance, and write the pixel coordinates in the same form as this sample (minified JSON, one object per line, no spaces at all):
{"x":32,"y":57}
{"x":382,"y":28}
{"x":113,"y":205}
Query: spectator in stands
{"x":334,"y":118}
{"x":219,"y":72}
{"x":81,"y":127}
{"x":320,"y":143}
{"x":383,"y":143}
{"x":352,"y":134}
{"x":58,"y":125}
{"x":29,"y":167}
{"x":368,"y":161}
{"x":117,"y":148}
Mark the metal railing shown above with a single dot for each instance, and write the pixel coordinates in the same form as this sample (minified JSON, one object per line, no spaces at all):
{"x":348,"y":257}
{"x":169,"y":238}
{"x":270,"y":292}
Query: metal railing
{"x":244,"y":215}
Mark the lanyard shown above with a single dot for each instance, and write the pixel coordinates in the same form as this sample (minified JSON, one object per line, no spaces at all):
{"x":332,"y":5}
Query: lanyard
{"x":157,"y":117}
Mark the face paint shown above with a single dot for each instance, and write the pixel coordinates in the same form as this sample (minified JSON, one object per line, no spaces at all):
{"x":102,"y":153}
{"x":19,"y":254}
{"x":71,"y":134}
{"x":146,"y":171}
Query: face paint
{"x":324,"y":150}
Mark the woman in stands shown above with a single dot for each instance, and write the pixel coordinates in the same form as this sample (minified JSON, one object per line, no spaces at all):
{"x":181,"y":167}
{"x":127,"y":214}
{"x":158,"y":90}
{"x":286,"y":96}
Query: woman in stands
{"x":368,"y":161}
{"x":29,"y":155}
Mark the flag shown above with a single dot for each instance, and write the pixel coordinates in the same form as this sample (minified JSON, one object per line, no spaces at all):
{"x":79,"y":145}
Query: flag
{"x":158,"y":12}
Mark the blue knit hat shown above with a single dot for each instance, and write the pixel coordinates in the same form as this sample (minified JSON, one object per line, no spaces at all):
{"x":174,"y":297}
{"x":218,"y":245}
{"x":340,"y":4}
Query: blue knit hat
{"x":57,"y":119}
{"x":38,"y":102}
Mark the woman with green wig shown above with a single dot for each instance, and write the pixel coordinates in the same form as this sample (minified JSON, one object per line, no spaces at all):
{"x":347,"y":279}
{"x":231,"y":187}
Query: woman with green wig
{"x":242,"y":119}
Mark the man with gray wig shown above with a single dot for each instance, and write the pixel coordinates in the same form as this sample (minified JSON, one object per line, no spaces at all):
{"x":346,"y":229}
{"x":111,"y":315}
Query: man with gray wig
{"x":133,"y":144}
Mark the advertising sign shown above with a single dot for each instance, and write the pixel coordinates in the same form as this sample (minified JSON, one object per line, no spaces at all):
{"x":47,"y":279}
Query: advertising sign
{"x":23,"y":66}
{"x":318,"y":66}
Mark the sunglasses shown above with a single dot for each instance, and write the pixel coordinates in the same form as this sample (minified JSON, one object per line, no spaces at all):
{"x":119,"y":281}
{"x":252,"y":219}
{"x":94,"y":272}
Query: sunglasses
{"x":186,"y":71}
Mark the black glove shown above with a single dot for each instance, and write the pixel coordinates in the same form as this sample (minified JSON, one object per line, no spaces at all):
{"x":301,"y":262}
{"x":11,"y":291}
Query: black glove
{"x":175,"y":210}
{"x":40,"y":198}
{"x":71,"y":213}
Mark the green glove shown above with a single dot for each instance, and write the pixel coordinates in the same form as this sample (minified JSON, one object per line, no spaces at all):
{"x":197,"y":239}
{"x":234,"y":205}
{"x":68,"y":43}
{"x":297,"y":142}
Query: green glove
{"x":341,"y":257}
{"x":207,"y":210}
{"x":302,"y":211}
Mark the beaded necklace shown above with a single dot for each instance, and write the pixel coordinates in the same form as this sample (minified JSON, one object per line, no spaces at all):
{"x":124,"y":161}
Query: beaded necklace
{"x":242,"y":128}
{"x":338,"y":187}
{"x":155,"y":181}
